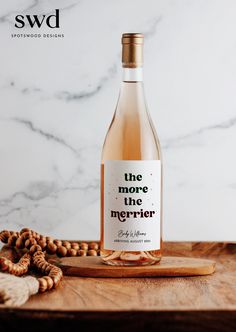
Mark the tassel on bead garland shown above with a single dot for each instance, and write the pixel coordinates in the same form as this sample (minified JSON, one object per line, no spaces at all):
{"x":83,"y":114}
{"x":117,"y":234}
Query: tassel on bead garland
{"x":15,"y":291}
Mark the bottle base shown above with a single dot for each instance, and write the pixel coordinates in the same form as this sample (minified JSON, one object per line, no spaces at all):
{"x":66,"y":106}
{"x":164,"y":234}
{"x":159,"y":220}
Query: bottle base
{"x":123,"y":263}
{"x":117,"y":258}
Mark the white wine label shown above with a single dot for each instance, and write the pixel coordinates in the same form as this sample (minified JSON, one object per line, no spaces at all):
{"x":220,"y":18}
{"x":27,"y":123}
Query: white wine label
{"x":132,"y":203}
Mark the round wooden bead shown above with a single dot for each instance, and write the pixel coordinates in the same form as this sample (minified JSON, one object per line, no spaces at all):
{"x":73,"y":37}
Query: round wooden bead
{"x":38,"y":260}
{"x":58,"y":243}
{"x":42,"y":243}
{"x":35,"y":248}
{"x":30,"y":242}
{"x":44,"y":268}
{"x":43,"y":285}
{"x":17,"y":270}
{"x":51,"y":248}
{"x":82,"y":252}
{"x":84,"y":246}
{"x":56,"y":281}
{"x":55,"y":272}
{"x":20,"y":243}
{"x":12,"y":240}
{"x":37,"y":237}
{"x":40,"y":265}
{"x":23,"y":230}
{"x":71,"y":252}
{"x":4,"y":236}
{"x":55,"y":269}
{"x":39,"y":254}
{"x":3,"y":263}
{"x":49,"y":239}
{"x":61,"y":251}
{"x":47,"y":268}
{"x":66,"y":244}
{"x":11,"y":268}
{"x":75,"y":245}
{"x":33,"y":233}
{"x":92,"y":252}
{"x":26,"y":235}
{"x":93,"y":245}
{"x":49,"y":282}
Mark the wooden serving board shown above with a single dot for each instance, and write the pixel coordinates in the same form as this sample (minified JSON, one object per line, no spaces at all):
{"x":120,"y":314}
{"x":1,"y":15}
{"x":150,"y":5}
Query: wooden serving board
{"x":168,"y":267}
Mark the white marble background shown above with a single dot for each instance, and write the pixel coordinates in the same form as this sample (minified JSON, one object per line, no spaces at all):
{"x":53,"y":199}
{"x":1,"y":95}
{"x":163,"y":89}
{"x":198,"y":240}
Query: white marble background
{"x":57,"y":98}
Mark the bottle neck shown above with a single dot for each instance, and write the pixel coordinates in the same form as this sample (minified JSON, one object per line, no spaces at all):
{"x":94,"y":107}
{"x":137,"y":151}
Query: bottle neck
{"x":133,"y":74}
{"x":131,"y":99}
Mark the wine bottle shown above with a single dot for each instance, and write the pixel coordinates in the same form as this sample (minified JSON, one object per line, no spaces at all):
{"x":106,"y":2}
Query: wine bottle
{"x":131,"y":172}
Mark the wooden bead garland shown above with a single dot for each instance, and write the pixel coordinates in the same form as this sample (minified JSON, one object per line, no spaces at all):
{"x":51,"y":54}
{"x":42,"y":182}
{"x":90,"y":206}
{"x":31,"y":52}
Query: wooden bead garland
{"x":17,"y":269}
{"x":27,"y":238}
{"x":37,"y":246}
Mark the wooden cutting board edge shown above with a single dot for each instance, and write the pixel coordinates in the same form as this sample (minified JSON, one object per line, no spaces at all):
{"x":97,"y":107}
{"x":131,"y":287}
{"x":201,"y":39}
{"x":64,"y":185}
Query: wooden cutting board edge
{"x":168,"y":267}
